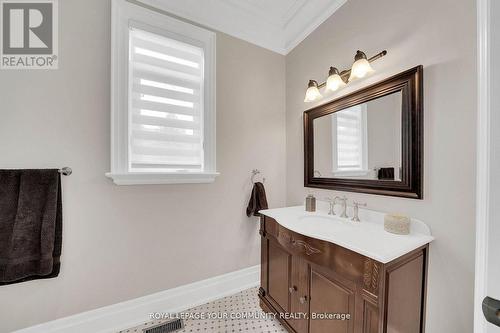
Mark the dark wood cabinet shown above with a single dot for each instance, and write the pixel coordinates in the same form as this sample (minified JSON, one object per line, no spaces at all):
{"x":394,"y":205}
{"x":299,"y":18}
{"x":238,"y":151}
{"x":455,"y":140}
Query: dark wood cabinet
{"x":329,"y":294}
{"x":299,"y":292}
{"x":316,"y":286}
{"x":279,"y":277}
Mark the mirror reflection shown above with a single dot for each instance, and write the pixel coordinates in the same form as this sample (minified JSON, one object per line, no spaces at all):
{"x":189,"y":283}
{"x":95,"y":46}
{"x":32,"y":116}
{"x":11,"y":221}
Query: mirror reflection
{"x":360,"y":142}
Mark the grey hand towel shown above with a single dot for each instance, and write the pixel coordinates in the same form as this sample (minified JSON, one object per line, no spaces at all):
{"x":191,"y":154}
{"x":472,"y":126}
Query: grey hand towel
{"x":386,"y":173}
{"x":30,"y":225}
{"x":258,"y":200}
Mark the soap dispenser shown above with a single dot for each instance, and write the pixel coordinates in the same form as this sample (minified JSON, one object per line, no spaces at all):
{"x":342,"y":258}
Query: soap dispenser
{"x":310,"y":203}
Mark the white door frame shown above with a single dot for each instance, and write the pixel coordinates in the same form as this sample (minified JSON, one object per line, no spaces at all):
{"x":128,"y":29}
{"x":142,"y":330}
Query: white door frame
{"x":483,"y":161}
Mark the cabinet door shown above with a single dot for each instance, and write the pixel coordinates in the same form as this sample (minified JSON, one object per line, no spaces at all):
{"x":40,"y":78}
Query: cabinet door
{"x":279,"y":276}
{"x":370,"y":317}
{"x":329,"y":296}
{"x":299,"y":295}
{"x":404,"y":297}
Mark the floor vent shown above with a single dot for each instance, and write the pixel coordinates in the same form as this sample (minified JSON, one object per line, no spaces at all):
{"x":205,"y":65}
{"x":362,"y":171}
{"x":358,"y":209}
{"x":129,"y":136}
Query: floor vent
{"x":167,"y":327}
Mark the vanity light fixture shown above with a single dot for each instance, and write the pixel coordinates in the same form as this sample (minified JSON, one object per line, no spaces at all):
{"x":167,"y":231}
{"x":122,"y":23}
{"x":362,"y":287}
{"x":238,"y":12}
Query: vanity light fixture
{"x":336,"y":79}
{"x":312,"y":92}
{"x":361,"y":66}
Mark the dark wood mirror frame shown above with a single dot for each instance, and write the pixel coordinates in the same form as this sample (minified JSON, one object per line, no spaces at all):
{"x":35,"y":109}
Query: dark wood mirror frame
{"x":410,"y":83}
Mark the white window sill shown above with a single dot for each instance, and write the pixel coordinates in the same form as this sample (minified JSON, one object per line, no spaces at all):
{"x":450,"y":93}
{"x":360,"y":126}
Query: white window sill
{"x":350,"y":173}
{"x":148,"y":178}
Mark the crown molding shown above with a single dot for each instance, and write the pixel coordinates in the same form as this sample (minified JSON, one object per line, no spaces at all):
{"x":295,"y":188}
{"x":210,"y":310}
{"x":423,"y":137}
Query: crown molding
{"x":278,"y":25}
{"x":299,"y":27}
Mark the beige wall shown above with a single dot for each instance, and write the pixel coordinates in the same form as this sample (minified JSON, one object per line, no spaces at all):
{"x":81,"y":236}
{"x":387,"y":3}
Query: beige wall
{"x":384,"y":132}
{"x":124,"y":242}
{"x":323,"y":146}
{"x":441,"y":35}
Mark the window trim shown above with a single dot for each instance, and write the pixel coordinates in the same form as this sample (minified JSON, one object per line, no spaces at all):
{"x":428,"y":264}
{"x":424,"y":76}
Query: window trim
{"x":124,"y":15}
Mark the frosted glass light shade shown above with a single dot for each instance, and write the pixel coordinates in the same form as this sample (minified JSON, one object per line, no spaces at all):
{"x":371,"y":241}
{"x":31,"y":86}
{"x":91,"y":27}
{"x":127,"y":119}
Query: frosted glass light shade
{"x":334,"y":82}
{"x":360,"y":69}
{"x":312,"y":92}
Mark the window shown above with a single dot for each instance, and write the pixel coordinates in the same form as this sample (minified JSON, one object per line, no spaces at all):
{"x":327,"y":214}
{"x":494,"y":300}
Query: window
{"x":163,"y":99}
{"x":350,"y":148}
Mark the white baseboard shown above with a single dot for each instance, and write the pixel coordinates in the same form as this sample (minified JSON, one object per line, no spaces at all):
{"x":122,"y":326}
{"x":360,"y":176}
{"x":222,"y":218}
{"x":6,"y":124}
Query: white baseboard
{"x":135,"y":312}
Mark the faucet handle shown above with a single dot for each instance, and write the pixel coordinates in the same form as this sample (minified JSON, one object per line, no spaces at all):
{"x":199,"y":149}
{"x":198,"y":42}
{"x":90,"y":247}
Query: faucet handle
{"x":332,"y":204}
{"x":356,"y":205}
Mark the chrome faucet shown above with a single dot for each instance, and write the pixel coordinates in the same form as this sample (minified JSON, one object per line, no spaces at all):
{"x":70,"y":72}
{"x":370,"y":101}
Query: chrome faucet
{"x":343,"y":200}
{"x":356,"y":205}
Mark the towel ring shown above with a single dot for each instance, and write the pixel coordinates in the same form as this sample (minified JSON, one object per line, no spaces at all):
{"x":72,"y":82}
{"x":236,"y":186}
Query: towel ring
{"x":256,"y":172}
{"x":66,"y":171}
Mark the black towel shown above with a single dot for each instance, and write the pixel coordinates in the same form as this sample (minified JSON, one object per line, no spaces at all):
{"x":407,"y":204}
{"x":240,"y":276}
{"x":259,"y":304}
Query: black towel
{"x":258,"y":200}
{"x":386,"y":173}
{"x":30,"y":225}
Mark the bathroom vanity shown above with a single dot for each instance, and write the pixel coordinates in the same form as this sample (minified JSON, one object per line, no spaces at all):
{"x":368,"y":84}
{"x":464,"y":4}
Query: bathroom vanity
{"x":322,"y":273}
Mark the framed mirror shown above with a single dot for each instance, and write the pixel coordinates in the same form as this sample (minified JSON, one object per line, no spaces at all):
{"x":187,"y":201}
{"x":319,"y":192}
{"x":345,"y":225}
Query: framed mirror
{"x":369,"y":141}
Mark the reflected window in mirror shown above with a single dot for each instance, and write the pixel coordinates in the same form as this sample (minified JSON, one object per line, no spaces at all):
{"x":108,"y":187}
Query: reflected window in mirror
{"x":350,"y":142}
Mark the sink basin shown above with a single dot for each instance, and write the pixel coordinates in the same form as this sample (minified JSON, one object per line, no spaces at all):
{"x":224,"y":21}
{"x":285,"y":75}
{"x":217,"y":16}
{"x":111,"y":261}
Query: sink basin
{"x":318,"y":219}
{"x":324,"y":224}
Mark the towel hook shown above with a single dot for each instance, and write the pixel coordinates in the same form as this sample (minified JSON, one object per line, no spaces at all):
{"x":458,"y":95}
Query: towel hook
{"x":256,"y":172}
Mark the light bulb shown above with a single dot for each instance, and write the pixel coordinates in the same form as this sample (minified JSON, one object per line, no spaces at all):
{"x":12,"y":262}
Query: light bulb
{"x":334,"y":81}
{"x":312,"y":92}
{"x":361,"y":66}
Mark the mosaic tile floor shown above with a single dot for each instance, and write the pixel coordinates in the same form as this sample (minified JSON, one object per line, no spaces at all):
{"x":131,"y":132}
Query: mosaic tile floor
{"x":245,"y":302}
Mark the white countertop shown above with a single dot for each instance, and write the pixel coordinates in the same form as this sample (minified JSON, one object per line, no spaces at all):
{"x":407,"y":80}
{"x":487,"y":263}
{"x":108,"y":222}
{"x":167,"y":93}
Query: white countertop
{"x":367,"y":237}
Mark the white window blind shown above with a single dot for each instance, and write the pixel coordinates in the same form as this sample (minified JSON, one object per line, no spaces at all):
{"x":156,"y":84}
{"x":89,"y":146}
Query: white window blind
{"x":351,"y":139}
{"x":165,"y":104}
